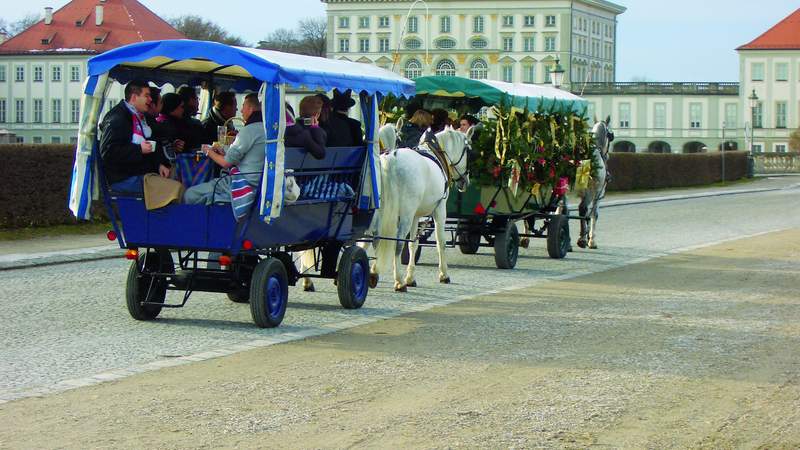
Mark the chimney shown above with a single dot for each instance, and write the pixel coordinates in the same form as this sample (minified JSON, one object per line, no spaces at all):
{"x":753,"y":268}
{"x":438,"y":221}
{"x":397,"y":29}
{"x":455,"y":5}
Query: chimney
{"x":48,"y":15}
{"x":98,"y":15}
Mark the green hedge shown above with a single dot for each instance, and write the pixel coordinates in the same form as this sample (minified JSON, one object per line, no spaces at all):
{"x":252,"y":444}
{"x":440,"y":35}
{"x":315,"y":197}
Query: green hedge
{"x":630,"y":171}
{"x":34,"y":185}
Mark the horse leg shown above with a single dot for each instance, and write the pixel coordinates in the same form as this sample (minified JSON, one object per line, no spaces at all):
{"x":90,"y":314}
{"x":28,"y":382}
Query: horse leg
{"x":592,"y":223}
{"x":525,"y":242}
{"x":583,"y":210}
{"x":412,"y":250}
{"x":307,"y":261}
{"x":403,"y":228}
{"x":439,"y":219}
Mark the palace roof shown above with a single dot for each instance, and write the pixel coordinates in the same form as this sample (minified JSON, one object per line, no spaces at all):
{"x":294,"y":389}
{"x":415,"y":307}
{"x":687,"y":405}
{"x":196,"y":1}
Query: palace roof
{"x":783,"y":36}
{"x":74,"y":29}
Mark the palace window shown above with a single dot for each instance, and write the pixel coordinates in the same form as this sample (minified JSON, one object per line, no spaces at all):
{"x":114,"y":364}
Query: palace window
{"x":695,"y":115}
{"x":660,"y":115}
{"x":19,"y":110}
{"x":550,"y":44}
{"x":477,"y":24}
{"x":74,"y":73}
{"x":444,"y":24}
{"x":413,"y":44}
{"x":55,"y":140}
{"x":383,"y":44}
{"x":780,"y":148}
{"x":446,"y":68}
{"x":56,"y":109}
{"x":344,"y":45}
{"x":446,"y":43}
{"x":757,"y":72}
{"x":363,"y":45}
{"x":56,"y":73}
{"x":479,"y":43}
{"x":624,"y":115}
{"x":780,"y":115}
{"x":530,"y":21}
{"x":758,"y":115}
{"x":363,"y":22}
{"x":731,"y":115}
{"x":529,"y":73}
{"x":508,"y":74}
{"x":479,"y":70}
{"x":413,"y":69}
{"x":383,"y":22}
{"x":3,"y":108}
{"x":508,"y":44}
{"x":75,"y":110}
{"x":413,"y":24}
{"x":2,"y":74}
{"x":529,"y":43}
{"x":38,"y":74}
{"x":20,"y":74}
{"x":508,"y":21}
{"x":38,"y":110}
{"x":344,"y":22}
{"x":782,"y":72}
{"x":550,"y":21}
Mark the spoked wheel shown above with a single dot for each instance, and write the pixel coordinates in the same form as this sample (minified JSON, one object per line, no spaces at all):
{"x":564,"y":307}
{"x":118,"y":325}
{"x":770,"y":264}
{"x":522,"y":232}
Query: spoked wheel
{"x":404,"y":254}
{"x":269,"y":293}
{"x":352,"y":279}
{"x":145,"y":287}
{"x":558,"y":236}
{"x":506,"y":247}
{"x":245,"y":265}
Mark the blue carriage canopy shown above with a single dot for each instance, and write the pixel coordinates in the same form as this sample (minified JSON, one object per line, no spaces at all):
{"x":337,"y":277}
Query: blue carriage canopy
{"x":239,"y":69}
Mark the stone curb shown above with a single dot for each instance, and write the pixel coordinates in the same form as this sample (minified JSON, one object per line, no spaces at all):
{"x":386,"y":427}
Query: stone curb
{"x":14,"y":262}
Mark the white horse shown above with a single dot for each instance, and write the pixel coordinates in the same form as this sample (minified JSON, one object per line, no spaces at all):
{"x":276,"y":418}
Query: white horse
{"x":596,"y":189}
{"x":415,"y":186}
{"x":387,"y":139}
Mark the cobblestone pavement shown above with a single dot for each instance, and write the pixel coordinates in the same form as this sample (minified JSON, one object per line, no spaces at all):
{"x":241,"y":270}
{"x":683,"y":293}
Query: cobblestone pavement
{"x":69,"y":321}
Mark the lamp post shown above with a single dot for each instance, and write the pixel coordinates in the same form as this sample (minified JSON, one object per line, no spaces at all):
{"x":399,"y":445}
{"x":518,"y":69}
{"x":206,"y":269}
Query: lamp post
{"x":753,"y":101}
{"x":557,"y":75}
{"x":403,"y":32}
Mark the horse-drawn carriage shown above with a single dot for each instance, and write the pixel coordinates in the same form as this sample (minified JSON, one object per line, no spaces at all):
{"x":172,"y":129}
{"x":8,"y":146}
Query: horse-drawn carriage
{"x":250,"y":259}
{"x":486,"y":214}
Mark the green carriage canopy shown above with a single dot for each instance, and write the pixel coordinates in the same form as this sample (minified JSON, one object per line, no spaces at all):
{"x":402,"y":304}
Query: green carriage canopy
{"x":519,"y":95}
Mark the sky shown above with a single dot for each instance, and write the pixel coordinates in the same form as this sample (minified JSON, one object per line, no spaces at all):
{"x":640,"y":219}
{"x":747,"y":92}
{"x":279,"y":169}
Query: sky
{"x":658,"y":40}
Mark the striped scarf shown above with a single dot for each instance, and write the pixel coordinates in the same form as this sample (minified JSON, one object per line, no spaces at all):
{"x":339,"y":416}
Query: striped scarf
{"x":242,"y":194}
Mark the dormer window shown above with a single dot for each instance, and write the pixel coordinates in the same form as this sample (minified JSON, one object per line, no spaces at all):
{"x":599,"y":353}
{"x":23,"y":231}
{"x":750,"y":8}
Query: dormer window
{"x":47,"y":40}
{"x":80,"y":22}
{"x":100,"y":39}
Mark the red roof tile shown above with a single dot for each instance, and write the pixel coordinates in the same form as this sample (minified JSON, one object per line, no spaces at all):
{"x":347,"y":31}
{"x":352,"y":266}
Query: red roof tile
{"x":783,"y":36}
{"x":124,"y":22}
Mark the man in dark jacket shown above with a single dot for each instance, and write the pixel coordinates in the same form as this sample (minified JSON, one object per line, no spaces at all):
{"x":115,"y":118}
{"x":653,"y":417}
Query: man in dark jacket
{"x":125,"y":151}
{"x":224,"y":108}
{"x":191,"y":128}
{"x":342,"y":130}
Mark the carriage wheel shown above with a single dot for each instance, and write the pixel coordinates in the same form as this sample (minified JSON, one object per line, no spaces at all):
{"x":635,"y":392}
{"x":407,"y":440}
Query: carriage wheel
{"x":245,"y":265}
{"x":558,"y":236}
{"x":404,"y":254}
{"x":269,"y":293}
{"x":469,"y":242}
{"x":143,"y":287}
{"x":506,"y":247}
{"x":353,"y":277}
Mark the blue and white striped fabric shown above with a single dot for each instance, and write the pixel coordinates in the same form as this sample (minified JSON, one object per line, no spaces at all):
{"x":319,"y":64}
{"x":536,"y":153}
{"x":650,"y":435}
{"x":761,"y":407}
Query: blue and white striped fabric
{"x":272,"y":182}
{"x":242,"y":194}
{"x":84,"y":187}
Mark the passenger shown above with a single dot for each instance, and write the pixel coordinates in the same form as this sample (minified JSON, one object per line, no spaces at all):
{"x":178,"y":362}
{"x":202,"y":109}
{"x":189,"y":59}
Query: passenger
{"x":224,"y":108}
{"x":466,"y":122}
{"x":305,"y":132}
{"x":411,"y":132}
{"x":169,"y":123}
{"x":125,"y":151}
{"x":342,"y":130}
{"x":441,"y":119}
{"x":191,"y":129}
{"x":246,"y":153}
{"x":325,"y":113}
{"x":155,"y":105}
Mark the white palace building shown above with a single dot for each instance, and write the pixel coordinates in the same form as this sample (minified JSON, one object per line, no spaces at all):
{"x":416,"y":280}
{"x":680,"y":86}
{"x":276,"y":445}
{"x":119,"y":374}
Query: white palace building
{"x":521,"y":40}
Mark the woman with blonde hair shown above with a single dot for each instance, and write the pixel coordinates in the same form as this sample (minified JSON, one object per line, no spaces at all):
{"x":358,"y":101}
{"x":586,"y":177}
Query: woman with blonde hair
{"x":411,"y":132}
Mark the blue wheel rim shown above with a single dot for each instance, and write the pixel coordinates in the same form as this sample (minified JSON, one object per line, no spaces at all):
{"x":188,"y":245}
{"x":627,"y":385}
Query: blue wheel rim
{"x":358,"y":278}
{"x":274,"y":296}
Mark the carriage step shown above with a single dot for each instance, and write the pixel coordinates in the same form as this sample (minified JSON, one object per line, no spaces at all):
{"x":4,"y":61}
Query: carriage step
{"x":205,"y":280}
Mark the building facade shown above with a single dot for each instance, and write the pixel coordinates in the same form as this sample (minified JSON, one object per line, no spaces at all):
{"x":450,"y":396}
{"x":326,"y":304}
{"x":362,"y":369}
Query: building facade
{"x":511,"y":40}
{"x":42,"y":69}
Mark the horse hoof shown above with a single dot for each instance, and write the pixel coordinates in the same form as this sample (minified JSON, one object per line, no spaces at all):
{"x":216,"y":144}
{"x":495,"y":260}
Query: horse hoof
{"x":593,"y":246}
{"x":413,"y":283}
{"x":402,"y":288}
{"x":445,"y":280}
{"x":524,"y":242}
{"x":373,"y":280}
{"x":581,"y":243}
{"x":309,"y":288}
{"x":569,"y":250}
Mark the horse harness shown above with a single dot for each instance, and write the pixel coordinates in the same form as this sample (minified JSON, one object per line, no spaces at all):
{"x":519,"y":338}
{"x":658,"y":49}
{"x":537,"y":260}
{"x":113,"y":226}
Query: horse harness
{"x":441,"y":159}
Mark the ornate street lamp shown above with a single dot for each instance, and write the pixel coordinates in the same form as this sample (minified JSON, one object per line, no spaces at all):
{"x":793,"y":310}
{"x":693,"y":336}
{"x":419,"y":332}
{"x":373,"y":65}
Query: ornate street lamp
{"x":753,"y":99}
{"x":557,"y":75}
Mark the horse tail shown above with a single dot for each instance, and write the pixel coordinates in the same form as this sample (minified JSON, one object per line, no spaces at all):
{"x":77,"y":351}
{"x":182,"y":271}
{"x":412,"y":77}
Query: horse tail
{"x":389,"y":212}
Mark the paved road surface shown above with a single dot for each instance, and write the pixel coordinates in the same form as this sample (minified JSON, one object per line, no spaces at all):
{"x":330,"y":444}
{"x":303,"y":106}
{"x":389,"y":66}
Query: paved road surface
{"x":69,"y":321}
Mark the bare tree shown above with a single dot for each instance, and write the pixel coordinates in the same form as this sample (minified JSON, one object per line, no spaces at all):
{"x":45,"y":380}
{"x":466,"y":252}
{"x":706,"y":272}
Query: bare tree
{"x":794,"y":140}
{"x":15,"y":28}
{"x":195,"y":27}
{"x":307,"y":39}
